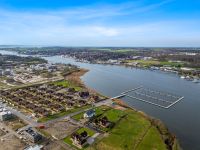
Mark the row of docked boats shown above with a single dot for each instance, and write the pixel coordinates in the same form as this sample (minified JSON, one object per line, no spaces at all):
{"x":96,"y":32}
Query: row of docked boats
{"x":188,"y":78}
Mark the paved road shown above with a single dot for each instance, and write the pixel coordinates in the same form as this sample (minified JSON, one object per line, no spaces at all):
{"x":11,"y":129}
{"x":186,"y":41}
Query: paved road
{"x":36,"y":83}
{"x":19,"y":114}
{"x":32,"y":123}
{"x":104,"y":102}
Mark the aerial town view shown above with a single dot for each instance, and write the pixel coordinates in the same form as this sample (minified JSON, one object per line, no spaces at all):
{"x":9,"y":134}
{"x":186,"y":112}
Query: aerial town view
{"x":99,"y":75}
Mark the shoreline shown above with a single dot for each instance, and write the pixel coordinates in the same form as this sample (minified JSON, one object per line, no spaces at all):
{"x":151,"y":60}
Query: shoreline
{"x":168,"y":138}
{"x":164,"y":69}
{"x":76,"y":78}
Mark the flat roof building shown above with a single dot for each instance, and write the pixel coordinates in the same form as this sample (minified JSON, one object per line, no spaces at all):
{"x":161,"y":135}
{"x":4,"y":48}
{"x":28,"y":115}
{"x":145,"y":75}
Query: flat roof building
{"x":5,"y":115}
{"x":32,"y":135}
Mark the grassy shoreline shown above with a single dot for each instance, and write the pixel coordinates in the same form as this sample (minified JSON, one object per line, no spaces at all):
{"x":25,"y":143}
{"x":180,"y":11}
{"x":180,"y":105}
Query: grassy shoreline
{"x":169,"y":139}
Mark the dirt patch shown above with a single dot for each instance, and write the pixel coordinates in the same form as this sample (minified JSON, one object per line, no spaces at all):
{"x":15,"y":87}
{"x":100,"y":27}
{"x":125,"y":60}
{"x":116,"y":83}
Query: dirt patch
{"x":119,"y":107}
{"x":2,"y":133}
{"x":15,"y":123}
{"x":12,"y":143}
{"x":56,"y":146}
{"x":120,"y":103}
{"x":61,"y":129}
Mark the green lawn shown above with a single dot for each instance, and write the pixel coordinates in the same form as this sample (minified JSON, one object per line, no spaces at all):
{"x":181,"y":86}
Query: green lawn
{"x":89,"y":131}
{"x":63,"y":83}
{"x":101,"y":109}
{"x":67,"y":84}
{"x":114,"y":115}
{"x":63,"y":113}
{"x":78,"y":116}
{"x":69,"y":141}
{"x":152,"y":140}
{"x":127,"y":133}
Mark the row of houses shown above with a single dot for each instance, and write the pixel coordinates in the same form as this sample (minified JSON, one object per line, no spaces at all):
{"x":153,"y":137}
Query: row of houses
{"x":44,"y":99}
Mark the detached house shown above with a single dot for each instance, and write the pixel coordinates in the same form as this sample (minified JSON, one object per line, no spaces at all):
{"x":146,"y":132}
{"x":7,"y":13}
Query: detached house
{"x":79,"y":140}
{"x":89,"y":114}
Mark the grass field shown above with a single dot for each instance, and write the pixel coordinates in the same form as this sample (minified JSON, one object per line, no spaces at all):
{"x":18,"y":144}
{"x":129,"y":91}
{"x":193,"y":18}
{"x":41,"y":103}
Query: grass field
{"x":114,"y":115}
{"x":152,"y":139}
{"x":133,"y":131}
{"x":78,"y":116}
{"x":67,"y":84}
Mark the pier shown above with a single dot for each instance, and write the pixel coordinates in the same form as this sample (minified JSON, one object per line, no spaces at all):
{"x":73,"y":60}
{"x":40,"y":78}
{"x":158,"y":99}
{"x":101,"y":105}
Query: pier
{"x":157,"y":98}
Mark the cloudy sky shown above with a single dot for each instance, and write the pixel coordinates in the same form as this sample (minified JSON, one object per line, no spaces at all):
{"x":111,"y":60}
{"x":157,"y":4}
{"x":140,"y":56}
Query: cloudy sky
{"x":100,"y":22}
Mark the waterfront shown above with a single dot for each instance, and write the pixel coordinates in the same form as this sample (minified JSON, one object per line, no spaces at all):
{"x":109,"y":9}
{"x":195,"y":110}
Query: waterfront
{"x":181,"y":119}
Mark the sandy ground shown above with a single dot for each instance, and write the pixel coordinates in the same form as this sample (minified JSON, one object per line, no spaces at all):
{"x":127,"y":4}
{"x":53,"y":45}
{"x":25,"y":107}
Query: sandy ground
{"x":56,"y":146}
{"x":119,"y":107}
{"x":15,"y":123}
{"x":11,"y":143}
{"x":2,"y":133}
{"x":61,"y":129}
{"x":75,"y":77}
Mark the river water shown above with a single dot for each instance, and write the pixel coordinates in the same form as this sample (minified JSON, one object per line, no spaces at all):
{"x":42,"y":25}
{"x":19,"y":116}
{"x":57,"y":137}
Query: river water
{"x":183,"y":119}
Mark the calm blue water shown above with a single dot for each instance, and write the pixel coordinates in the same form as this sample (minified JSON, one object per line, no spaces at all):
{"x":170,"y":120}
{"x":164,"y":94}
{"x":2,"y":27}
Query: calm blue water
{"x":183,"y":119}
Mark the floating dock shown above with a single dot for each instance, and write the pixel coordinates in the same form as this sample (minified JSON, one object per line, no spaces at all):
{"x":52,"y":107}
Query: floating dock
{"x":153,"y":97}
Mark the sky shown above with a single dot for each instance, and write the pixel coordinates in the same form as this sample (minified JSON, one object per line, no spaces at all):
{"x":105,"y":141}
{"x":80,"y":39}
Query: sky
{"x":125,"y":23}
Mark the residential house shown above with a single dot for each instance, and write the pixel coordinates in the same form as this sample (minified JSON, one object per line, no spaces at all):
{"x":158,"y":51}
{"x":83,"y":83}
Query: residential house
{"x":79,"y":140}
{"x":89,"y":114}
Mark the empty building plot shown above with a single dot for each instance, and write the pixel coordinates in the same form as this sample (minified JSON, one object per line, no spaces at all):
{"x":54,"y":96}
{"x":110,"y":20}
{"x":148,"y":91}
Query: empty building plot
{"x":154,"y":97}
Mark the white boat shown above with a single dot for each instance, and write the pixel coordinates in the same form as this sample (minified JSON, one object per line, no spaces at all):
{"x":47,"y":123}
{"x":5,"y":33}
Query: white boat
{"x":195,"y":81}
{"x":182,"y":77}
{"x":189,"y":78}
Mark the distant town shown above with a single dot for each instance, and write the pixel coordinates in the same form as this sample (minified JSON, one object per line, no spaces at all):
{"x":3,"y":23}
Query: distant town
{"x":183,"y":61}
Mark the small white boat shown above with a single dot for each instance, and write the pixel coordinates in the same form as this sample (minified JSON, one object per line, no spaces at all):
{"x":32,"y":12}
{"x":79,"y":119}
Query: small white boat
{"x":182,"y":77}
{"x":188,"y":78}
{"x":195,"y":81}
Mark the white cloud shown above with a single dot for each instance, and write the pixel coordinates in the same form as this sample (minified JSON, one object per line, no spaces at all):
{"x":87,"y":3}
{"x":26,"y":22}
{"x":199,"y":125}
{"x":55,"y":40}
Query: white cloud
{"x":94,"y":27}
{"x":106,"y":31}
